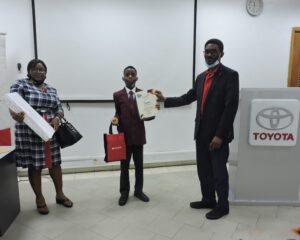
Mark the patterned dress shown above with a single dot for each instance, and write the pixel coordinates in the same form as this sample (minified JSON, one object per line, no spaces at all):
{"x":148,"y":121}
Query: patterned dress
{"x":30,"y":149}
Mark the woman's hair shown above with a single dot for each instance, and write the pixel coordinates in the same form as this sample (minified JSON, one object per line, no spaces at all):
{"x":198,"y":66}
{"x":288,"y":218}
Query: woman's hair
{"x":35,"y":62}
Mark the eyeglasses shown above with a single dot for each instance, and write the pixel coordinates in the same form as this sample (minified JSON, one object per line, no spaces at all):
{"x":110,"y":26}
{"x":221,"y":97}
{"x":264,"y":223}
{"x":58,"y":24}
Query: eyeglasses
{"x":212,"y":52}
{"x":39,"y":70}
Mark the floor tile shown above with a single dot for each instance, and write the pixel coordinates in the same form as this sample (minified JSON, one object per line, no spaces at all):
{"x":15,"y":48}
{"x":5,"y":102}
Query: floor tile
{"x":96,"y":214}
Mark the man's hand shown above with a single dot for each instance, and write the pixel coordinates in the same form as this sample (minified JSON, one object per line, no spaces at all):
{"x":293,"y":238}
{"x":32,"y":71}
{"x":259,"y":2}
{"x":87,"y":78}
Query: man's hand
{"x":159,"y":95}
{"x":215,"y":144}
{"x":153,"y":91}
{"x":115,"y":121}
{"x":19,"y":117}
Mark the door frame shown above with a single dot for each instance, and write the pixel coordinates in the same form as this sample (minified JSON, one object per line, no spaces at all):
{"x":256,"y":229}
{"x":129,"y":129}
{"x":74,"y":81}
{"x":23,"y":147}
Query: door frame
{"x":294,"y":31}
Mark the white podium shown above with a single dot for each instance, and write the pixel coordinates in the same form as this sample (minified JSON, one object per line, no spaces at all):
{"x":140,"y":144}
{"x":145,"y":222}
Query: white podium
{"x":268,"y":159}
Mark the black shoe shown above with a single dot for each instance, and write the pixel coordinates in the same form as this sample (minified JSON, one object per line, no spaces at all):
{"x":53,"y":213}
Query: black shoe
{"x":201,"y":204}
{"x":217,"y":213}
{"x":142,"y":196}
{"x":123,"y":199}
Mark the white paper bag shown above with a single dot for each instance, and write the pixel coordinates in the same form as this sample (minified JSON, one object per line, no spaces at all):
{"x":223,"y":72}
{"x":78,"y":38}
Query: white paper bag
{"x":32,"y":119}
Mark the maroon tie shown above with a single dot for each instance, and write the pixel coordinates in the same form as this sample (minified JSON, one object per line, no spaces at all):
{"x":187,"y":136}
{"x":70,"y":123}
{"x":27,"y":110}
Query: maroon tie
{"x":132,"y":102}
{"x":131,"y":99}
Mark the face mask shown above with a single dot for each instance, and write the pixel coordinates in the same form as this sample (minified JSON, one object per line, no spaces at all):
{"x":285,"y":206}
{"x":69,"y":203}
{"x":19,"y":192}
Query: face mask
{"x":212,"y":65}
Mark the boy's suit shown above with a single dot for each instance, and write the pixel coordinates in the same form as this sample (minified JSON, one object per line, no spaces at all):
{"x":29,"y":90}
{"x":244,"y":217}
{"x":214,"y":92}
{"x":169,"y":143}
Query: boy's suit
{"x":135,"y":137}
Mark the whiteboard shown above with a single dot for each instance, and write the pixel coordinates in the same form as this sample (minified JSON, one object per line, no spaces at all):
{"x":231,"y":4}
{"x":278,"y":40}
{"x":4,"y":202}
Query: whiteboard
{"x":87,"y":44}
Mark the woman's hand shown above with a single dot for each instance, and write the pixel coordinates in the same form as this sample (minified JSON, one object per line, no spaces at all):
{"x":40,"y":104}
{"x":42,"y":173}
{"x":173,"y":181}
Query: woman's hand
{"x":19,"y":117}
{"x":115,"y":121}
{"x":55,"y":123}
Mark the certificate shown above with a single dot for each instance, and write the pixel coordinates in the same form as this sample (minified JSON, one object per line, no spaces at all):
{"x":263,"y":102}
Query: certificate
{"x":32,"y":119}
{"x":146,"y":103}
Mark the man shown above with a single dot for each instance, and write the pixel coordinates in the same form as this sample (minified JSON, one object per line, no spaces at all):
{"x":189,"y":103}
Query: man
{"x":217,"y":94}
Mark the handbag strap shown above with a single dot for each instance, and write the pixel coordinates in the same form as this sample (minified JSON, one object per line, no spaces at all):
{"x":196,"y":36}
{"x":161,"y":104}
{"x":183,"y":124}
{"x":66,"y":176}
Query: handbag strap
{"x":63,"y":119}
{"x":110,"y":128}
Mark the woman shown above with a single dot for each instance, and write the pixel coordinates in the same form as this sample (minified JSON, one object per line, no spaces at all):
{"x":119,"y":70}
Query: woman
{"x":31,"y":151}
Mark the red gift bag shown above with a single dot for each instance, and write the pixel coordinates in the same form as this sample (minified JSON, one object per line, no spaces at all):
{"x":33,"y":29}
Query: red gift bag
{"x":5,"y":137}
{"x":114,"y":145}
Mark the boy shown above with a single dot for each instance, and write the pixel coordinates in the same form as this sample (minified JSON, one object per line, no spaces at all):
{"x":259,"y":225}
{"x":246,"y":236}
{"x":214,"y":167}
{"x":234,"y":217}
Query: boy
{"x":128,"y":121}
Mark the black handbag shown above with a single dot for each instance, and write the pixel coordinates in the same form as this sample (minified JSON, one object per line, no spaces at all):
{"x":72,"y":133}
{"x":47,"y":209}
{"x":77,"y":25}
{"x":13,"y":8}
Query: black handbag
{"x":66,"y":134}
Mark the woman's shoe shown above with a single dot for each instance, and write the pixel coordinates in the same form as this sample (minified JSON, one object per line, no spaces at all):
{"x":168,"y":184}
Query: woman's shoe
{"x":42,"y":209}
{"x":65,"y":202}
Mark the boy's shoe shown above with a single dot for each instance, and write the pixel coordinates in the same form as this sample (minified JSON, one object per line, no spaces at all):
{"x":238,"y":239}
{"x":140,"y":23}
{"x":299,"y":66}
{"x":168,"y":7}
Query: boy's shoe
{"x":123,"y":199}
{"x":142,"y":196}
{"x":202,"y":204}
{"x":217,"y":213}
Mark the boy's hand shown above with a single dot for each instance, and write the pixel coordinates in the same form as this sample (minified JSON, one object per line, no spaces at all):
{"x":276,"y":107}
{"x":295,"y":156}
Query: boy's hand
{"x":115,"y":121}
{"x":160,"y":96}
{"x":153,"y":91}
{"x":19,"y":117}
{"x":157,"y":105}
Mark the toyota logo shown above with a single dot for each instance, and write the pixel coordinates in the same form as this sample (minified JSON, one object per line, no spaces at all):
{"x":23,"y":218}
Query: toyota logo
{"x":274,"y":118}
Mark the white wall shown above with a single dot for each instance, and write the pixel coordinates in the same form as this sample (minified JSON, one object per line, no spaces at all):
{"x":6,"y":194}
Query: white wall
{"x":258,"y":47}
{"x":16,"y":22}
{"x":169,"y":136}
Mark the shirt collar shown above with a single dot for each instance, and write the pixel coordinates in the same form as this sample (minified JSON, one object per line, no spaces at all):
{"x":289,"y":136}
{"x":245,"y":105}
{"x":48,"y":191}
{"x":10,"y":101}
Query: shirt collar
{"x":128,"y":90}
{"x":214,"y":70}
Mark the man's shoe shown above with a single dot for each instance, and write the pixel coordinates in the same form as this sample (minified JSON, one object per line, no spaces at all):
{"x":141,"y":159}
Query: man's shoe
{"x":123,"y":199}
{"x":142,"y":196}
{"x":201,"y":205}
{"x":217,"y":213}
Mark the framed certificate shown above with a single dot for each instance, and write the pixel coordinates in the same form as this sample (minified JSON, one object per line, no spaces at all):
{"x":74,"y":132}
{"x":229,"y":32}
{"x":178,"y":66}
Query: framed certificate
{"x":146,"y":103}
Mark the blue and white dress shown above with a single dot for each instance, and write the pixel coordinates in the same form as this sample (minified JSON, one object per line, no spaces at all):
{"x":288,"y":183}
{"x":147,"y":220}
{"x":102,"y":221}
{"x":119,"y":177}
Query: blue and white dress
{"x":30,"y":151}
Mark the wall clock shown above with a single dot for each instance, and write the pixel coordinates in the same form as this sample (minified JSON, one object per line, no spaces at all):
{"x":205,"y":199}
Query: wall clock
{"x":254,"y":7}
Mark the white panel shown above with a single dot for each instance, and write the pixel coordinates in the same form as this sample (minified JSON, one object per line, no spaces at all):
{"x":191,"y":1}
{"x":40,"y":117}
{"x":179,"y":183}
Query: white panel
{"x":86,"y":45}
{"x":16,"y":22}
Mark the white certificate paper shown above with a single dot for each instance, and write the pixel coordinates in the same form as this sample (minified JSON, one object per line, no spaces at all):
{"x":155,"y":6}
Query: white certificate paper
{"x":32,"y":119}
{"x":146,"y":105}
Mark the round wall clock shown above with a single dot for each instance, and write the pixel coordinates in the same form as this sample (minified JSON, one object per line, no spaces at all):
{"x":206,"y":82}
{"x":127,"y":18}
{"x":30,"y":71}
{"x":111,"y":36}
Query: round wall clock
{"x":254,"y":7}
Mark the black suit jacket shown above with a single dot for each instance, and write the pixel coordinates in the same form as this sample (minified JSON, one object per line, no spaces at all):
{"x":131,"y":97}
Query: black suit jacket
{"x":220,"y":106}
{"x":129,"y":120}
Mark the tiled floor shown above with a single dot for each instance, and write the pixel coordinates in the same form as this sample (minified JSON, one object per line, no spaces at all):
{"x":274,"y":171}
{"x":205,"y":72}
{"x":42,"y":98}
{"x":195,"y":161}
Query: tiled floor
{"x":97,"y":216}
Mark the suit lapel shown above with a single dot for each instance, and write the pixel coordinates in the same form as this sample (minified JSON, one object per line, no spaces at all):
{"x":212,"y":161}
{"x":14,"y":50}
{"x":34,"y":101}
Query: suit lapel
{"x":200,"y":88}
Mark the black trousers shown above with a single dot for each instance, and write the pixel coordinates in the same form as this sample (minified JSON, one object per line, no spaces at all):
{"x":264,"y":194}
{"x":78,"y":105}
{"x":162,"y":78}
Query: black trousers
{"x":213,"y":174}
{"x":137,"y":153}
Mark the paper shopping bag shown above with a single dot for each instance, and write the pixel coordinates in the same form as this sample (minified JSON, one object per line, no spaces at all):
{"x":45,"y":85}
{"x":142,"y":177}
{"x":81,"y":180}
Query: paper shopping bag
{"x":5,"y":137}
{"x":114,"y":145}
